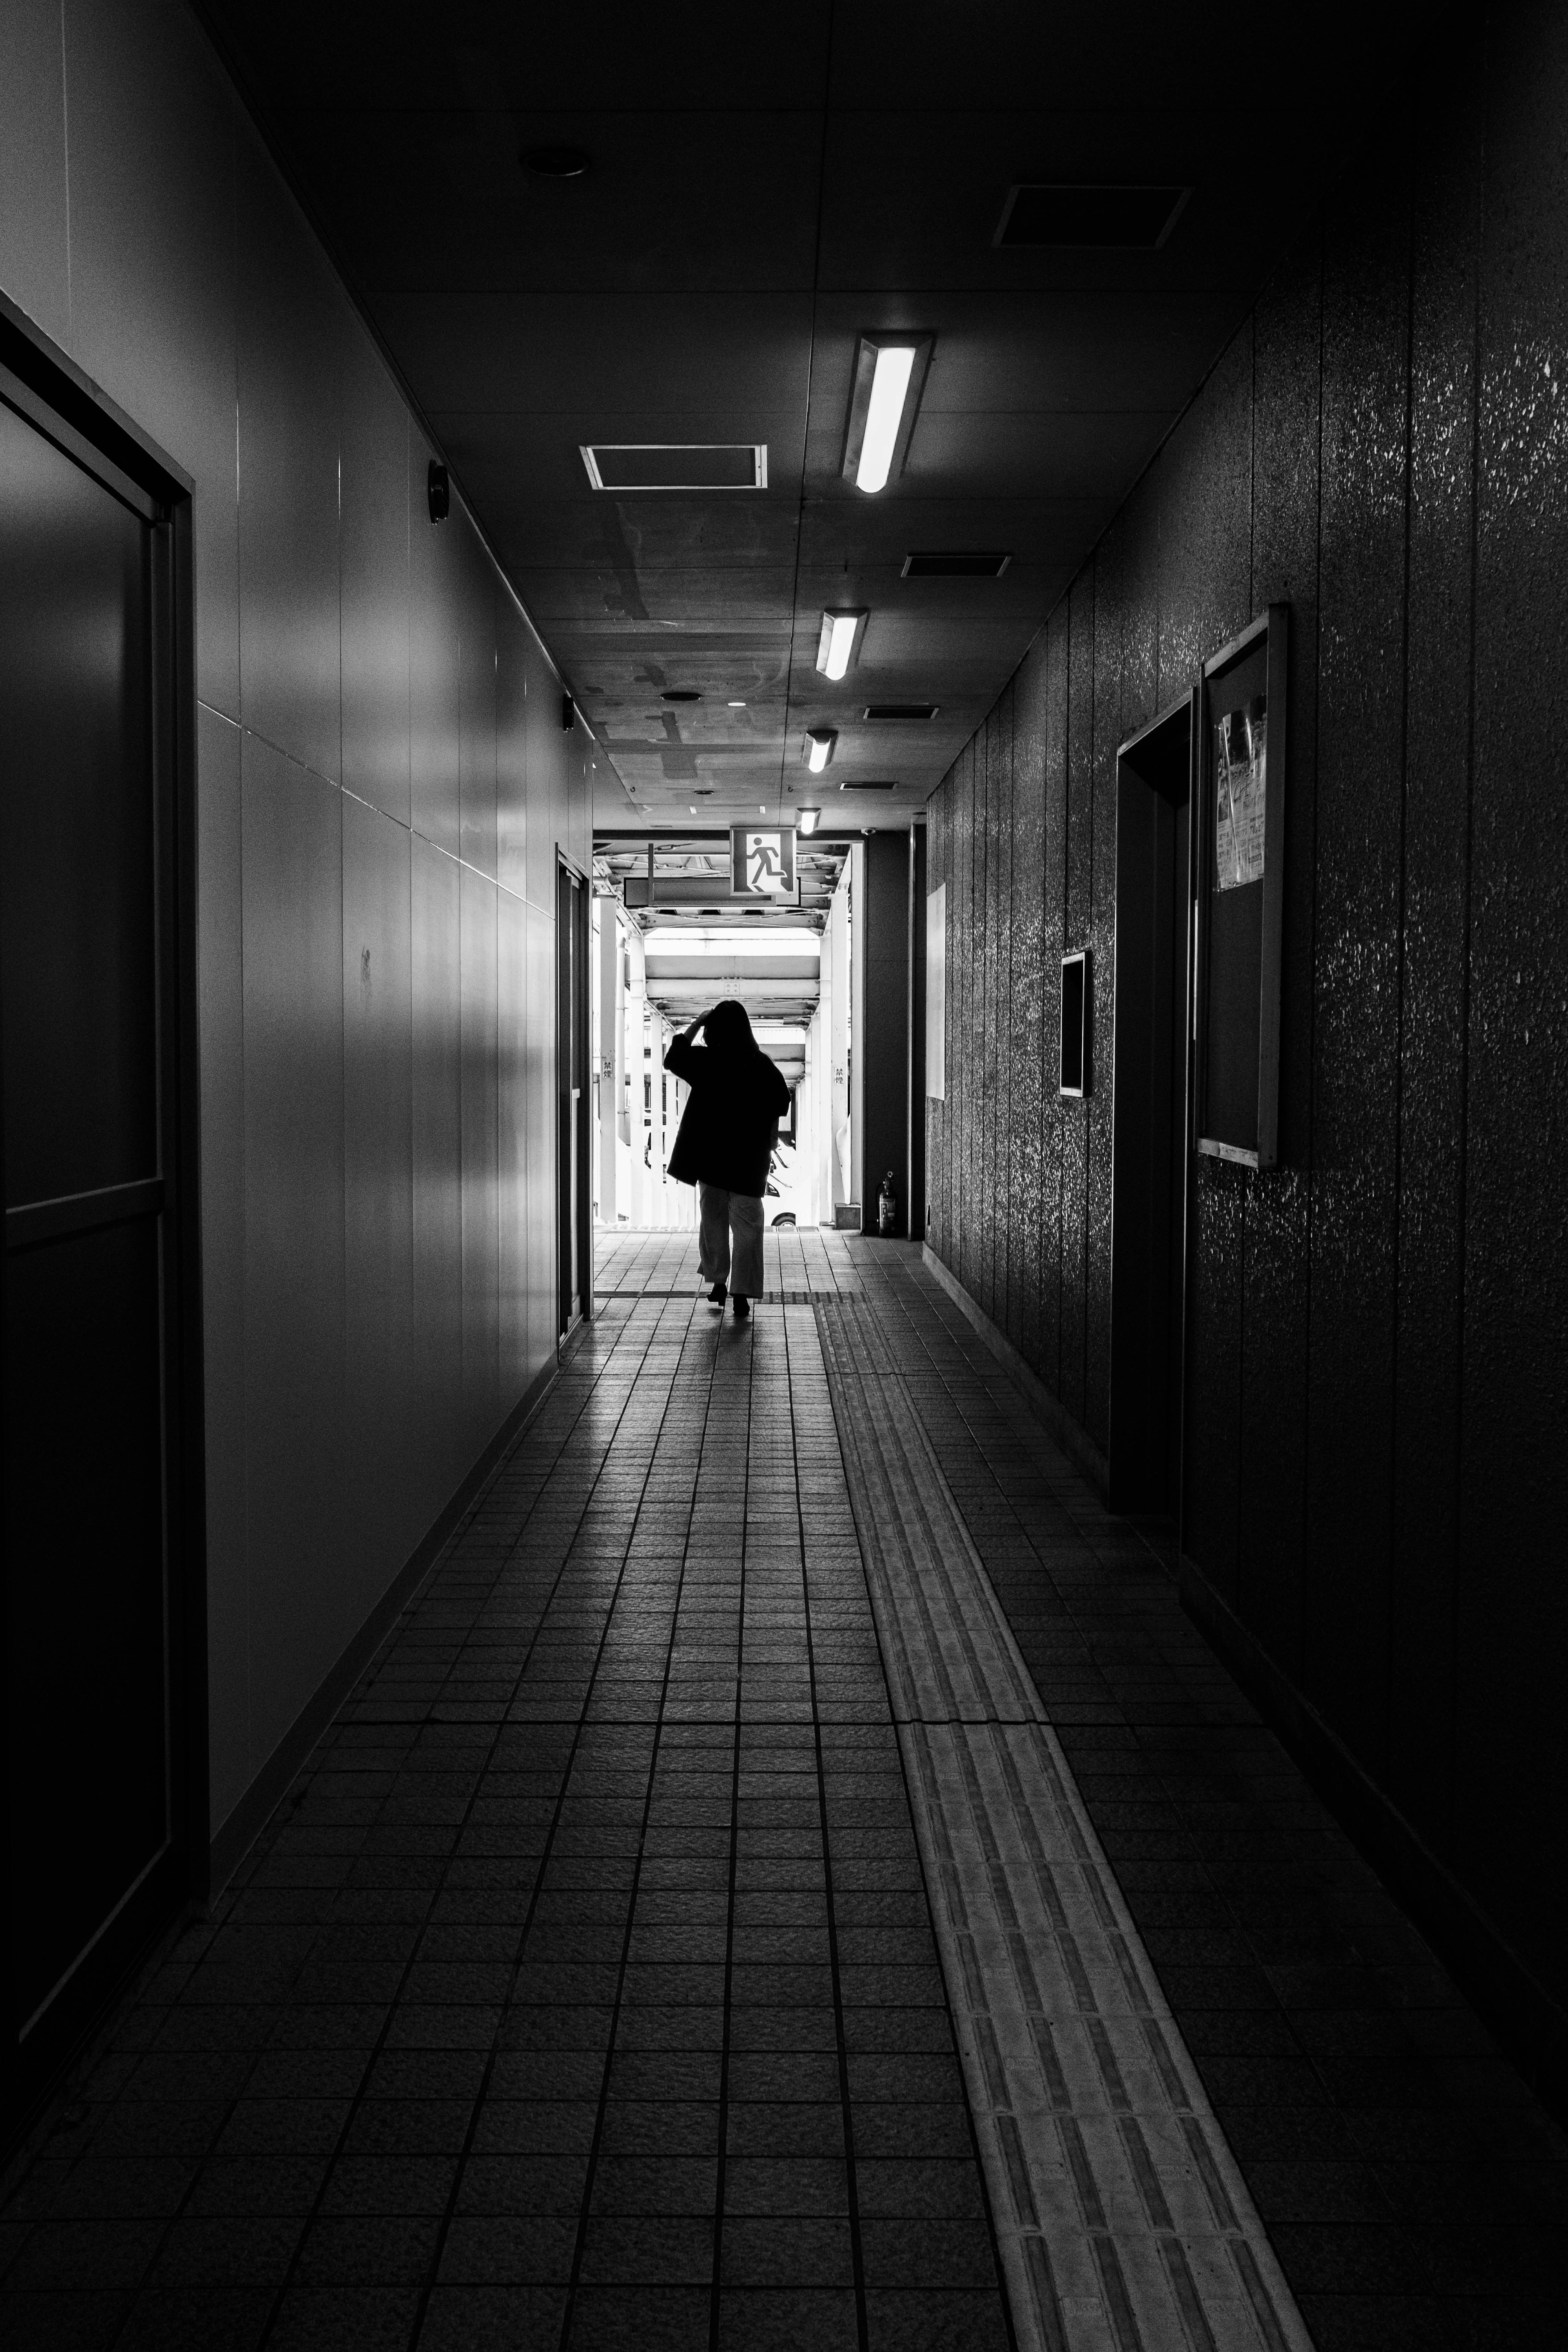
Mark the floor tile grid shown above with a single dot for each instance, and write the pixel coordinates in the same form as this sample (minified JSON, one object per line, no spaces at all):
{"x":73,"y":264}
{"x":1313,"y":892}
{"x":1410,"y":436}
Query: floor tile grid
{"x":801,"y":1377}
{"x":705,"y":1339}
{"x":1413,"y":2189}
{"x":652,"y":1336}
{"x":1239,"y":2301}
{"x":74,"y":2136}
{"x":141,"y":2040}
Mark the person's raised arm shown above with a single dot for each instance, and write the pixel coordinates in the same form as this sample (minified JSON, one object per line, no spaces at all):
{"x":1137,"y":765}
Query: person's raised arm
{"x":682,"y":1049}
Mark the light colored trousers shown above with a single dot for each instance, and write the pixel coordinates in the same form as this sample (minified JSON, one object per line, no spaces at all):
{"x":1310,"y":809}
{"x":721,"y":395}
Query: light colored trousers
{"x":724,"y":1214}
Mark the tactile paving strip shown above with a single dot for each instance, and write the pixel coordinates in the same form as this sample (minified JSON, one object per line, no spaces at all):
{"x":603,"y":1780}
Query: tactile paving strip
{"x":1123,"y":2219}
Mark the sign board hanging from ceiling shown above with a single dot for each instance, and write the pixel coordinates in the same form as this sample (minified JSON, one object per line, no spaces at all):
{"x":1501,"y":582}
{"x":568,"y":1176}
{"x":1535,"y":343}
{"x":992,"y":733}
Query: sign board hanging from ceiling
{"x":762,"y":861}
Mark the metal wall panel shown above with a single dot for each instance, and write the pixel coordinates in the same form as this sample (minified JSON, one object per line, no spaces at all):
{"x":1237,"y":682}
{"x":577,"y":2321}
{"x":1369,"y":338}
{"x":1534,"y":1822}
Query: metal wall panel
{"x":482,"y":1297}
{"x":476,"y":703}
{"x":1276,"y":1296}
{"x":1028,"y":1001}
{"x":1510,"y":1767}
{"x":34,"y":257}
{"x":380,"y":1363}
{"x":437,"y":1116}
{"x":221,"y":985}
{"x":290,"y":343}
{"x":1053,"y":935}
{"x":1108,"y":733}
{"x":152,"y":270}
{"x":515,"y":1365}
{"x":1355,"y":1038}
{"x":1074,"y":1116}
{"x":356,"y":644}
{"x":374,"y":585}
{"x":297,"y":1608}
{"x":435,"y":660}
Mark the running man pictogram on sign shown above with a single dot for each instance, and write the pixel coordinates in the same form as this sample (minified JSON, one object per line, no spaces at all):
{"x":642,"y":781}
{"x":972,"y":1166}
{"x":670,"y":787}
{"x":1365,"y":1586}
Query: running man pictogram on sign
{"x":762,"y":861}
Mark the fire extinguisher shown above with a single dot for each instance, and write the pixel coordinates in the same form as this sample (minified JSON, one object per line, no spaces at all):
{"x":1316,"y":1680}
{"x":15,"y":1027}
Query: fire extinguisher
{"x":886,"y":1205}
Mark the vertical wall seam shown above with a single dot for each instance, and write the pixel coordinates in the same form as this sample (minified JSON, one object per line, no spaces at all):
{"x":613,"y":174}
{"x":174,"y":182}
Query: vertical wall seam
{"x":1461,"y":1302}
{"x":66,"y":161}
{"x":1399,"y":966}
{"x":1311,"y":1043}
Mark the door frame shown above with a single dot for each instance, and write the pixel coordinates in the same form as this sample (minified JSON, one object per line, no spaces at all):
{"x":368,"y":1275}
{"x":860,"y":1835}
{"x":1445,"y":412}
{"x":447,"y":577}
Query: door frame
{"x":1140,"y":1449}
{"x":572,"y":1306}
{"x":60,"y":401}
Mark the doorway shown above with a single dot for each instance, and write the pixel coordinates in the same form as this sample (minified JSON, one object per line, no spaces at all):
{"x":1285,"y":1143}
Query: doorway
{"x":98,"y":1286}
{"x":1151,"y":1139}
{"x":573,"y":1161}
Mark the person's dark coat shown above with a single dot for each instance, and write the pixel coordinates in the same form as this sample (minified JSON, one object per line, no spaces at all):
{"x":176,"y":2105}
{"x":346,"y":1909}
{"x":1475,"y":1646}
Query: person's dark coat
{"x":738,"y":1097}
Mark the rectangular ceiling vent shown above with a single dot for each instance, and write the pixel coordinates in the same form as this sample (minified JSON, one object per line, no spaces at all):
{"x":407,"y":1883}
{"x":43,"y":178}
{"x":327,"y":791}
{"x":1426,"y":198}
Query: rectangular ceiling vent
{"x":1066,"y":214}
{"x":875,"y":710}
{"x":676,"y":465}
{"x":955,"y":567}
{"x":853,"y":784}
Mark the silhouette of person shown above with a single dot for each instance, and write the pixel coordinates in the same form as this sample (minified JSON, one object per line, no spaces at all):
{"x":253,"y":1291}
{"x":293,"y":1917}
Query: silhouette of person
{"x":727,"y":1131}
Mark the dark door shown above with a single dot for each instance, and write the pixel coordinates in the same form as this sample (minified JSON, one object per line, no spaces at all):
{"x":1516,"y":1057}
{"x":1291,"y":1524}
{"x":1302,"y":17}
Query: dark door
{"x":572,"y":1063}
{"x":1150,"y":1114}
{"x":89,"y":1312}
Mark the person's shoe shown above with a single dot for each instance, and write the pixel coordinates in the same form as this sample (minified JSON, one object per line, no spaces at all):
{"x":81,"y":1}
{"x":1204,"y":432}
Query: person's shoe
{"x":742,"y":1309}
{"x":718,"y":1295}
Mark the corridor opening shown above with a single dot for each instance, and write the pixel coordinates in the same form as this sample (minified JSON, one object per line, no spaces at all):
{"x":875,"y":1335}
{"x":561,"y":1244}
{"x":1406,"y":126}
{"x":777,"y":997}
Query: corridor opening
{"x":670,"y":938}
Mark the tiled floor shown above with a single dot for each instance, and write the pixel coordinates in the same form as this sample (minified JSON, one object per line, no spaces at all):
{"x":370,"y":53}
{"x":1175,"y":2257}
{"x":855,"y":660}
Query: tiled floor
{"x":585,"y":1990}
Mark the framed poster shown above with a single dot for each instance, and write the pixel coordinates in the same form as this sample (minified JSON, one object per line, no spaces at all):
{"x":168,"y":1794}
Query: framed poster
{"x":1240,"y":897}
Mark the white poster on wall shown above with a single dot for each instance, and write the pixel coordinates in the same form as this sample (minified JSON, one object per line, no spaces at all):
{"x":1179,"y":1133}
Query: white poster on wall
{"x":936,"y":994}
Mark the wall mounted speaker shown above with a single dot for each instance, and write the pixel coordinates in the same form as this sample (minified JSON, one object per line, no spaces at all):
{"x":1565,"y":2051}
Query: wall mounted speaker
{"x":439,"y":491}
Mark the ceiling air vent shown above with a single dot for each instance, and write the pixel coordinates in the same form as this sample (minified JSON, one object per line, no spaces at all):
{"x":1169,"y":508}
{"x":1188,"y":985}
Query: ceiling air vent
{"x":854,"y":785}
{"x":676,"y":464}
{"x":955,"y":567}
{"x":1067,"y":214}
{"x":899,"y":711}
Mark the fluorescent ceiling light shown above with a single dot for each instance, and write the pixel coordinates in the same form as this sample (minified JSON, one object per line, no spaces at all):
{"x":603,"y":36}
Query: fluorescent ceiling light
{"x":837,"y":645}
{"x":889,"y":371}
{"x":888,"y":387}
{"x":809,"y":819}
{"x":819,"y":743}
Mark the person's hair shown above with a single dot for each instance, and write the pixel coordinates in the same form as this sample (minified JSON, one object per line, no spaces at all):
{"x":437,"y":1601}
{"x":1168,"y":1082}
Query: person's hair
{"x":729,"y":1028}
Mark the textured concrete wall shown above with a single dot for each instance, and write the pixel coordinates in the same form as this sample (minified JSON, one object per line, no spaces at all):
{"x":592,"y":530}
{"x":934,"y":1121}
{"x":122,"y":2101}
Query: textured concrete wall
{"x":383,"y":785}
{"x":1378,"y":1329}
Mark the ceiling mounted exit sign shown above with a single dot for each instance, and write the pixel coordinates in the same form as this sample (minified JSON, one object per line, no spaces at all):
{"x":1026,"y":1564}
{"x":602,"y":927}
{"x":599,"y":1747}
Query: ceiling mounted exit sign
{"x":762,"y":861}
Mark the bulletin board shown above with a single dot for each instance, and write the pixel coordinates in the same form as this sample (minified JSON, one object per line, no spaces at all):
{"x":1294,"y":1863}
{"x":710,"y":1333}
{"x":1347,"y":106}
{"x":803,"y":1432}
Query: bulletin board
{"x":1240,"y":893}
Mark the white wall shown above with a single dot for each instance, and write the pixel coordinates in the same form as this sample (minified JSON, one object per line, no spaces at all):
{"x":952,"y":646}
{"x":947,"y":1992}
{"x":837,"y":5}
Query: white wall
{"x":383,"y":785}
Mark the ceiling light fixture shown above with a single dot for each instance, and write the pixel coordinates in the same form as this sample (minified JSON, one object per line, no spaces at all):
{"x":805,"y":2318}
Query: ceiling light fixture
{"x":810,"y":818}
{"x":890,"y":372}
{"x":839,"y":644}
{"x":818,"y":750}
